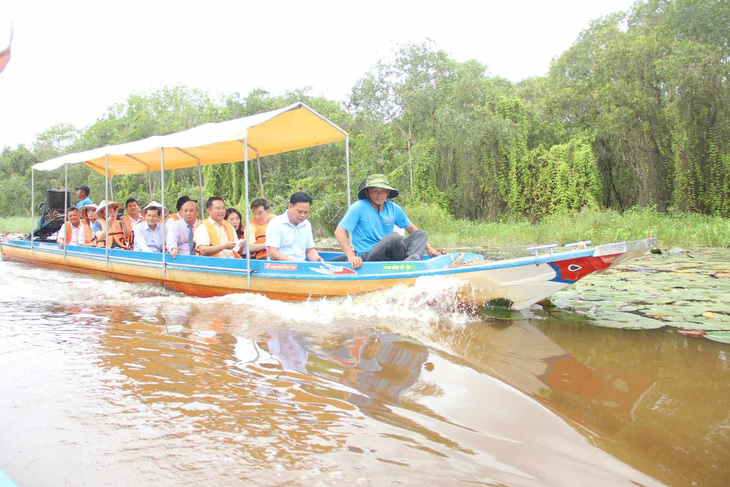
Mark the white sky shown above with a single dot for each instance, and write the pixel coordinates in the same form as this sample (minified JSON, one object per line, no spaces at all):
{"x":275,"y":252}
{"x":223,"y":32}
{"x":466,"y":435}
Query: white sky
{"x":71,"y":59}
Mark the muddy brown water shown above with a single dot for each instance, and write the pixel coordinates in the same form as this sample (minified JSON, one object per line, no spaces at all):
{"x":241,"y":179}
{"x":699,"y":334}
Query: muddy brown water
{"x":110,"y":383}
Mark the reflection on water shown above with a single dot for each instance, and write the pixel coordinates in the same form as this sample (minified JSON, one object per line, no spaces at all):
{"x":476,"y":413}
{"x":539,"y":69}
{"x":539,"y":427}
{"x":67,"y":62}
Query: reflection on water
{"x":111,"y":383}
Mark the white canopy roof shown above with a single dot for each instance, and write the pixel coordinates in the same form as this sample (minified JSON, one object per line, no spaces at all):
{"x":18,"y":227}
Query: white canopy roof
{"x":291,"y":128}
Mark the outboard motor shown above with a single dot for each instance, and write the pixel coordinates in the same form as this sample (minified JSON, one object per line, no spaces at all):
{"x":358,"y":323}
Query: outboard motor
{"x":52,"y":213}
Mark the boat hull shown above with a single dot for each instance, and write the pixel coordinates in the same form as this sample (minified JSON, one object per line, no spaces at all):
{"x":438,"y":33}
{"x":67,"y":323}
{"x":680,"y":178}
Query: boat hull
{"x":522,"y":281}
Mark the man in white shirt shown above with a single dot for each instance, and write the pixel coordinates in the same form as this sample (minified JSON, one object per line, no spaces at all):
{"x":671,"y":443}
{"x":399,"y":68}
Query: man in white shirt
{"x":215,"y":237}
{"x":289,"y":235}
{"x":76,"y":236}
{"x":148,"y":234}
{"x":180,"y":232}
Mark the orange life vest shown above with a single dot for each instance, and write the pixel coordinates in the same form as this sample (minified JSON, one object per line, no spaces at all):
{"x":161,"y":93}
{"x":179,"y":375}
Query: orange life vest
{"x":88,"y":234}
{"x":174,"y":217}
{"x":260,"y":238}
{"x":129,"y":223}
{"x":117,"y":240}
{"x":213,"y":235}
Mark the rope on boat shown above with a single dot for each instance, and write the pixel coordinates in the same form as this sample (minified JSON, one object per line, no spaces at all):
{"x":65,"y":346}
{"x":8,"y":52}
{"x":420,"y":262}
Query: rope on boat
{"x":460,"y":262}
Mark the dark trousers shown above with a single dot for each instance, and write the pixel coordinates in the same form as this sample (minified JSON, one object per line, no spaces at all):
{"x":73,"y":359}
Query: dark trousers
{"x":394,"y":247}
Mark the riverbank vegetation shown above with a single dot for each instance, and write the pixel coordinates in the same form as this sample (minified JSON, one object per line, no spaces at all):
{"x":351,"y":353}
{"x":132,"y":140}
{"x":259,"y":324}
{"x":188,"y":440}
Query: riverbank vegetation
{"x":627,"y":135}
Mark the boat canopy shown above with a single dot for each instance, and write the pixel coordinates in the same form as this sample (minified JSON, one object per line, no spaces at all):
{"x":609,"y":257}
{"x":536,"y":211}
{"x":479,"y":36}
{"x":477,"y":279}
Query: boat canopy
{"x":290,"y":128}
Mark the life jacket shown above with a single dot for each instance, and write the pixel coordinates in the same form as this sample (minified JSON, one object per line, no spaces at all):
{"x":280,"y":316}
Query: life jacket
{"x":260,"y":238}
{"x":117,"y":240}
{"x":213,"y":235}
{"x":129,"y":223}
{"x":88,"y":234}
{"x":174,"y":217}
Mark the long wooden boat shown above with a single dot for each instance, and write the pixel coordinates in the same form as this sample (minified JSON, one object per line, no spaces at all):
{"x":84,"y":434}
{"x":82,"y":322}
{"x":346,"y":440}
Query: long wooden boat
{"x":475,"y":281}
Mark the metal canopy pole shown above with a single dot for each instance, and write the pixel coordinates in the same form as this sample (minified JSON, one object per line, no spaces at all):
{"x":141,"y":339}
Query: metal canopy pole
{"x":261,"y":180}
{"x":65,"y":207}
{"x":162,"y":189}
{"x":106,"y":209}
{"x":32,"y":209}
{"x":248,"y":237}
{"x":347,"y":165}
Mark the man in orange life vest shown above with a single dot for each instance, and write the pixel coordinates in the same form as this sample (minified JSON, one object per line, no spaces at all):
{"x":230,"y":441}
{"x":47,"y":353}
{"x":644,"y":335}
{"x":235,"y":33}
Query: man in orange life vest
{"x":257,"y":228}
{"x":74,"y":231}
{"x":108,"y":224}
{"x":215,"y":237}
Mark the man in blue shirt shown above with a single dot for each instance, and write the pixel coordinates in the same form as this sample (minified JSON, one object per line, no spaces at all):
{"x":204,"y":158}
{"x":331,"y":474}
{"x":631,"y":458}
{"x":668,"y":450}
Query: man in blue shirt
{"x":83,"y":192}
{"x":371,"y":221}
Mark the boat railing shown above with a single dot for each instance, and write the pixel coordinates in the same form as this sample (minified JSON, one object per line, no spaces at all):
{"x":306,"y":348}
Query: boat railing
{"x":582,"y":244}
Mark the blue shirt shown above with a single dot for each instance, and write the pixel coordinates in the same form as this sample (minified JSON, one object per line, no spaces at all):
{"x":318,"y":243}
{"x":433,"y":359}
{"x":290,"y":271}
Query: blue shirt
{"x":147,"y":240}
{"x":84,"y":202}
{"x":292,"y":241}
{"x":368,"y":226}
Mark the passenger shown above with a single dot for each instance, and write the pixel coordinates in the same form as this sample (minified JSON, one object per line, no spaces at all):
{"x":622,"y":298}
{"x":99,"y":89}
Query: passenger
{"x":371,"y":220}
{"x":109,"y":223}
{"x":74,"y":231}
{"x":214,"y":236}
{"x":233,"y":216}
{"x":257,"y":227}
{"x":289,"y":235}
{"x":88,"y":214}
{"x":148,"y":234}
{"x":83,"y":193}
{"x":176,"y":216}
{"x":179,"y":234}
{"x":131,"y":219}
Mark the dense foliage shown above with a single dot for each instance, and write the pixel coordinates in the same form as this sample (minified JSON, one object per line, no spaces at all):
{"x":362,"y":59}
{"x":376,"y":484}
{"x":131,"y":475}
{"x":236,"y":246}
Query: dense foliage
{"x":634,"y":114}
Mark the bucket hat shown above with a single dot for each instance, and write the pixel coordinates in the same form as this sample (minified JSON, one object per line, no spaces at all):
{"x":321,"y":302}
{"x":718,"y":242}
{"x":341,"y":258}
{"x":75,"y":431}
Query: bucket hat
{"x":84,"y":210}
{"x":376,"y":181}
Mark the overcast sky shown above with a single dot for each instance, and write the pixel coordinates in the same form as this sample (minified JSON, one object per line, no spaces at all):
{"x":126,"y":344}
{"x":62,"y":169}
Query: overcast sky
{"x":71,"y":59}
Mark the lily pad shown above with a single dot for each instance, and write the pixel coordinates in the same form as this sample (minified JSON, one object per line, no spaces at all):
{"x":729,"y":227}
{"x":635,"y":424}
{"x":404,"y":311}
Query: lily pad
{"x":626,"y":321}
{"x":719,"y":336}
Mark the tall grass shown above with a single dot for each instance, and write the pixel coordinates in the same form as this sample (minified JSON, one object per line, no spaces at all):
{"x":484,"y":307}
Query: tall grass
{"x":15,"y":224}
{"x":689,"y":230}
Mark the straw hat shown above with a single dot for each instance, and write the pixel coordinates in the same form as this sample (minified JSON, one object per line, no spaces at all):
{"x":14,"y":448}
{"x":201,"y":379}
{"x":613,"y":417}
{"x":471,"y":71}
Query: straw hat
{"x":113,"y":207}
{"x":154,"y":204}
{"x":84,"y":209}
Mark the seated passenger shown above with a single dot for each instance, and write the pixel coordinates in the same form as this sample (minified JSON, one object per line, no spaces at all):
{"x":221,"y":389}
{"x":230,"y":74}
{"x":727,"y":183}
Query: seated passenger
{"x":132,"y":217}
{"x":214,"y":236}
{"x":83,"y":193}
{"x":88,"y":214}
{"x":108,"y":229}
{"x":233,"y":216}
{"x":74,"y":231}
{"x":148,"y":234}
{"x":289,"y":235}
{"x":179,"y":233}
{"x":176,"y":216}
{"x":257,"y":227}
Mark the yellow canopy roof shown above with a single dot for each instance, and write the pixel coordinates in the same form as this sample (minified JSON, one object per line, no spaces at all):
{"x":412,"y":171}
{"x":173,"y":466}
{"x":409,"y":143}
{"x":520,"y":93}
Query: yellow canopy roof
{"x":291,"y":128}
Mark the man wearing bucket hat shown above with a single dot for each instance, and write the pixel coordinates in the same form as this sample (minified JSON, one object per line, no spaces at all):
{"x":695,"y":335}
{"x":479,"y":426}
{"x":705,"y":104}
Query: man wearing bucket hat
{"x":371,"y":221}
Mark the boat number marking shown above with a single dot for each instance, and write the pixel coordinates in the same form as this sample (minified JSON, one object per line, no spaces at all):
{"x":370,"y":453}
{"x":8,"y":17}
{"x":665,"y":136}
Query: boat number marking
{"x":399,"y":267}
{"x":280,"y":267}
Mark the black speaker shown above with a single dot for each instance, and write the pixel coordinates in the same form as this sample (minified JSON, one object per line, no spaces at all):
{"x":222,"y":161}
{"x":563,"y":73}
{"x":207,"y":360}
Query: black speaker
{"x":58,"y":199}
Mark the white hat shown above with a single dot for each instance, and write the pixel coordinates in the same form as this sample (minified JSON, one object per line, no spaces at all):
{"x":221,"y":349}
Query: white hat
{"x":110,"y":204}
{"x":84,"y":210}
{"x":154,"y":204}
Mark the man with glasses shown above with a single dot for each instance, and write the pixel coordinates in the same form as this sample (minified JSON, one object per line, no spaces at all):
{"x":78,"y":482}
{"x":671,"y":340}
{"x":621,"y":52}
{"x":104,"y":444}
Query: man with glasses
{"x":215,"y":237}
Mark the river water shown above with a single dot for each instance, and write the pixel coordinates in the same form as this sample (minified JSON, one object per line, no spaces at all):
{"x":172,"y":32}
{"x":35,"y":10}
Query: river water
{"x":104,"y":382}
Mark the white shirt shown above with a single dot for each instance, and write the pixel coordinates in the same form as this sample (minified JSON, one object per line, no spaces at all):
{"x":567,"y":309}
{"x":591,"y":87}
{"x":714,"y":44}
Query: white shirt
{"x":77,"y":235}
{"x":292,"y":241}
{"x":146,"y":239}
